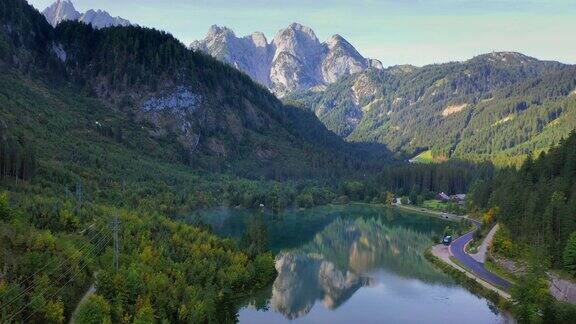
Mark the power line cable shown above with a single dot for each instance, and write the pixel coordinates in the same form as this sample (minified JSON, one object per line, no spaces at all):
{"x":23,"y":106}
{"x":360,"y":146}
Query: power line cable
{"x":30,"y":288}
{"x":96,"y":248}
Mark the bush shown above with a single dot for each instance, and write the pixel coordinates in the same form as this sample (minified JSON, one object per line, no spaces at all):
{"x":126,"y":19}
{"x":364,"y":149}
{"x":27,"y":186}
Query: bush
{"x":559,"y":312}
{"x":95,"y":310}
{"x":4,"y":208}
{"x":502,"y":244}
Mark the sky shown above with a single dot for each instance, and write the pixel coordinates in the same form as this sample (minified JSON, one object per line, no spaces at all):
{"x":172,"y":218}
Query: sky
{"x":414,"y":32}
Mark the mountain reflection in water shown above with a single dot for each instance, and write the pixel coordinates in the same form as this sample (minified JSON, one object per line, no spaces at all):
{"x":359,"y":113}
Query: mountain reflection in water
{"x":356,"y":263}
{"x":338,"y":261}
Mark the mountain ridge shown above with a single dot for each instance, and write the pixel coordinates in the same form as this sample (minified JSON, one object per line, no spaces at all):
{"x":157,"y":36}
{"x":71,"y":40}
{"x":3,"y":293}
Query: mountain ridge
{"x":63,"y":10}
{"x":217,"y":117}
{"x":411,"y":109}
{"x":295,"y":59}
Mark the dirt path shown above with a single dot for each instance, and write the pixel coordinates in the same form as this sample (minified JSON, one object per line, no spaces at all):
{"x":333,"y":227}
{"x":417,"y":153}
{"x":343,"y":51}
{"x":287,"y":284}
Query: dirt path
{"x":91,"y":290}
{"x":482,"y":252}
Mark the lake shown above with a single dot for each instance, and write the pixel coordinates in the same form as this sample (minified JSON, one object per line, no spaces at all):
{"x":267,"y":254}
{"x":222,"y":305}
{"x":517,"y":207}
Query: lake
{"x":357,"y":263}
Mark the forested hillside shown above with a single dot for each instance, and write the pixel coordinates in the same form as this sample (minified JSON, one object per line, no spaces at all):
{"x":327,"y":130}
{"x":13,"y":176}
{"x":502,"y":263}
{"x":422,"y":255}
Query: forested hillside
{"x":126,"y":122}
{"x":537,"y":204}
{"x":499,"y":106}
{"x":220,"y":119}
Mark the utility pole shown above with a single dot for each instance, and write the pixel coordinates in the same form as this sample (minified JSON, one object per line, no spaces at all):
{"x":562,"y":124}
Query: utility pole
{"x":115,"y":228}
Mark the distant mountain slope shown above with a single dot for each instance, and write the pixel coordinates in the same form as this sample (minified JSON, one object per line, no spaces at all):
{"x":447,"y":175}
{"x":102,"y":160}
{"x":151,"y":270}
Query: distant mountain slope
{"x":294,"y":60}
{"x":63,"y":10}
{"x":217,"y":117}
{"x":497,"y":104}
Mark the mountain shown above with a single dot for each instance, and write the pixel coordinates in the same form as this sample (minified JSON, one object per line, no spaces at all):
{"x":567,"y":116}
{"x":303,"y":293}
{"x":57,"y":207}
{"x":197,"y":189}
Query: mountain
{"x":127,"y":121}
{"x":294,"y":60}
{"x":216,"y":117}
{"x":59,"y":11}
{"x":63,"y":10}
{"x":496,"y":106}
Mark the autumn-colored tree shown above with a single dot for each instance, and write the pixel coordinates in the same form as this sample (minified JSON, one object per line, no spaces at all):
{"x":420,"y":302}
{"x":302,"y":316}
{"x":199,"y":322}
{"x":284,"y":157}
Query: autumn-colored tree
{"x":489,"y":216}
{"x":389,"y":200}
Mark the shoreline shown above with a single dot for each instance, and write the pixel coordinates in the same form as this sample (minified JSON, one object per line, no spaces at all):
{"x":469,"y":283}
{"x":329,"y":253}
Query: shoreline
{"x":430,"y":212}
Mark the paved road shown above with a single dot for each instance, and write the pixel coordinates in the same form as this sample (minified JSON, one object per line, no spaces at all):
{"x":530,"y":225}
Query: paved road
{"x":457,"y":250}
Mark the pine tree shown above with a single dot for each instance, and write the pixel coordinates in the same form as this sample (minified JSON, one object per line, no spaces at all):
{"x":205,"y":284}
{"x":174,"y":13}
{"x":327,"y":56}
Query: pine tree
{"x":569,"y":256}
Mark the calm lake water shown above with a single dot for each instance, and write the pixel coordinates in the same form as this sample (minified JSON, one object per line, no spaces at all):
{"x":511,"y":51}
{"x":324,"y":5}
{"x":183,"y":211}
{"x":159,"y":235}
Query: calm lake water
{"x":353,"y":264}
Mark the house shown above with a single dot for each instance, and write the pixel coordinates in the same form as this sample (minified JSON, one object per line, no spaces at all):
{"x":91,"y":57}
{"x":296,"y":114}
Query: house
{"x":443,"y":197}
{"x":460,"y":199}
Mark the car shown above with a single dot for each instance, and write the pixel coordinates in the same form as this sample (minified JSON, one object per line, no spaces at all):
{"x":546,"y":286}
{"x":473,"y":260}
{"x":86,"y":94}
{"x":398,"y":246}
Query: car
{"x":447,"y":240}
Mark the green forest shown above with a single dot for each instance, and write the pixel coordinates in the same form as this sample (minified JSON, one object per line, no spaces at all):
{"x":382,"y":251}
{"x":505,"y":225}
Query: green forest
{"x":76,"y":154}
{"x":535,"y":204}
{"x":500,"y":107}
{"x":102,"y":152}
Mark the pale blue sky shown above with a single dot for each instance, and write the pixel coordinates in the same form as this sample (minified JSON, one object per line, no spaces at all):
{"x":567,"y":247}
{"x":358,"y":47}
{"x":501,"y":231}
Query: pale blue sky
{"x":394,"y":31}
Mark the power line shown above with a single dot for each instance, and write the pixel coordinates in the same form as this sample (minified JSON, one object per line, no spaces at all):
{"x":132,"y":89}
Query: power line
{"x":31,"y":287}
{"x":66,"y":284}
{"x":116,"y":225}
{"x":95,"y":248}
{"x":54,"y":260}
{"x":31,"y":277}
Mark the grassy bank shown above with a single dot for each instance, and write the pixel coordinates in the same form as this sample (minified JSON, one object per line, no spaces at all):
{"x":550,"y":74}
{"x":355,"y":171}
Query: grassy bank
{"x":429,"y":212}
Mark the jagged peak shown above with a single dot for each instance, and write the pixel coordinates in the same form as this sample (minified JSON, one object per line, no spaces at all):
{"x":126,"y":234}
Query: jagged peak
{"x":219,"y":30}
{"x":297,"y":29}
{"x":295,"y":58}
{"x":59,"y":11}
{"x":259,"y":39}
{"x":338,"y":40}
{"x":60,"y":4}
{"x":62,"y":10}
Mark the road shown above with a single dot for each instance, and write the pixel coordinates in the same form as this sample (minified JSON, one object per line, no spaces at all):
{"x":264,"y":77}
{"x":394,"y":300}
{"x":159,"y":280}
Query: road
{"x":458,"y":251}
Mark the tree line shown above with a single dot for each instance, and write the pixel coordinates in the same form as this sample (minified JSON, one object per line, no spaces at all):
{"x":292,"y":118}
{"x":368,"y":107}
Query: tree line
{"x":536,"y":203}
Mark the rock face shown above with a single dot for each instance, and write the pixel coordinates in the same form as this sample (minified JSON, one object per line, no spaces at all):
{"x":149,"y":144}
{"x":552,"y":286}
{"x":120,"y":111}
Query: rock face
{"x":246,"y":53}
{"x":63,"y":10}
{"x":294,"y":60}
{"x":60,"y":11}
{"x":102,"y":19}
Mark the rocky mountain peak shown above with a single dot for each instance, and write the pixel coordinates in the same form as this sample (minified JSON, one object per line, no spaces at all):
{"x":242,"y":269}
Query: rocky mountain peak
{"x":59,"y":11}
{"x":259,"y":39}
{"x":216,"y":31}
{"x":335,"y":40}
{"x":297,"y":40}
{"x":102,"y":19}
{"x":294,"y":60}
{"x":299,"y":29}
{"x":63,"y":10}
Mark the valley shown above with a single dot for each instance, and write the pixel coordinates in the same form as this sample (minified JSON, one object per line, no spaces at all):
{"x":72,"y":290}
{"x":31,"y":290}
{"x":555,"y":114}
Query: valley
{"x":144,"y":179}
